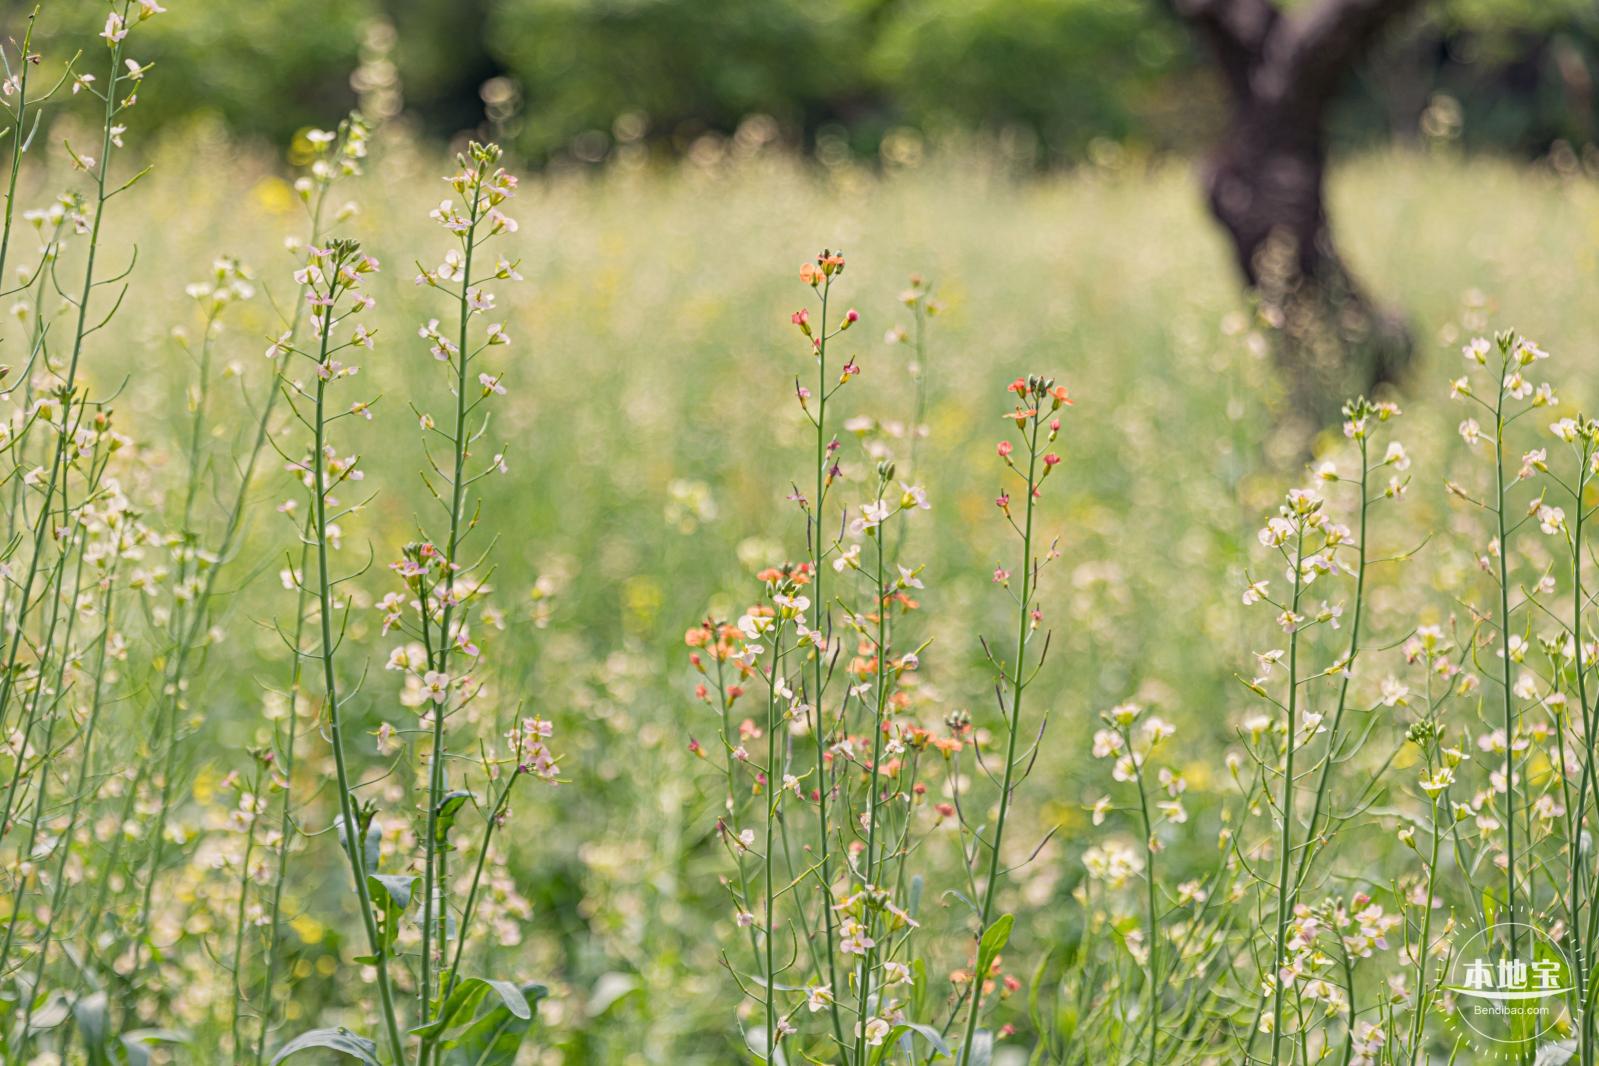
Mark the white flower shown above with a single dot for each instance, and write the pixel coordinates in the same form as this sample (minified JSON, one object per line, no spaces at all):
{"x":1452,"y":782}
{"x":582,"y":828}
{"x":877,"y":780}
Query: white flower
{"x":1477,"y":351}
{"x":855,"y":941}
{"x":1107,"y":742}
{"x":1436,"y":783}
{"x":1276,"y":532}
{"x":872,"y":515}
{"x":1527,"y":352}
{"x":1113,"y":862}
{"x":1158,"y":729}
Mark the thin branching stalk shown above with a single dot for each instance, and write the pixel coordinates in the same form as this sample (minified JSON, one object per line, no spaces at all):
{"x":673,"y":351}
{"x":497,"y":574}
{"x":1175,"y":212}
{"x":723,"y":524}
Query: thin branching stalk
{"x":340,"y":266}
{"x":1035,"y":391}
{"x":1285,"y":809}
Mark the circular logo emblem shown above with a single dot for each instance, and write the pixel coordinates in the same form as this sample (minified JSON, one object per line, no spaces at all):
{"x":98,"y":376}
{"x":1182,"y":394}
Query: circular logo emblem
{"x":1511,"y":986}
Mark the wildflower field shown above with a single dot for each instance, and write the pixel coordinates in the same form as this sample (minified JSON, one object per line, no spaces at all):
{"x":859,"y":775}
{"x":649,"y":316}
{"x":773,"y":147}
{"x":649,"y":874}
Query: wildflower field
{"x":577,"y":622}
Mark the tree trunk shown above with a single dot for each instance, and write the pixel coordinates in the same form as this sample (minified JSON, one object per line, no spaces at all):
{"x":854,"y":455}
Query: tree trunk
{"x":1265,"y":183}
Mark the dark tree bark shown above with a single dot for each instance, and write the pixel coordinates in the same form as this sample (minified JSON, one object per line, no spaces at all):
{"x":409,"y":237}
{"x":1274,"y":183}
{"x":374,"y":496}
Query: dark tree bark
{"x":1265,"y":183}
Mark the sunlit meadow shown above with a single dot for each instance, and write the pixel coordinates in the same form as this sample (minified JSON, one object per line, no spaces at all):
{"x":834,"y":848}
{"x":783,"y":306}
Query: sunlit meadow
{"x":722,"y":651}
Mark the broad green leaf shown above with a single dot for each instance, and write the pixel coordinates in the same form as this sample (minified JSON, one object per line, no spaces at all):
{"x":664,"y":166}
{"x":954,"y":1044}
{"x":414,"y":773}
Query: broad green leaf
{"x":92,"y":1017}
{"x":93,"y":1022}
{"x":136,"y":1043}
{"x":608,"y":990}
{"x":339,"y":1039}
{"x":494,"y":1038}
{"x":918,"y":987}
{"x":374,"y":841}
{"x":1556,"y":1054}
{"x":449,"y":807}
{"x":904,"y":1030}
{"x":391,"y":895}
{"x":392,"y":888}
{"x":993,"y":941}
{"x":464,"y":1003}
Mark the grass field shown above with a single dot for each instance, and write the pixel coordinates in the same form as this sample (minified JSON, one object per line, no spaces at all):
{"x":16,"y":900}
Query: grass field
{"x":650,"y":436}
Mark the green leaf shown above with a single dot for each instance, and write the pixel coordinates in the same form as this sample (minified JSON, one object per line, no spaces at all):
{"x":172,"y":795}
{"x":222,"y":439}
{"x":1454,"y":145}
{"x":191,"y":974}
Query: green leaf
{"x":926,"y":1032}
{"x":340,"y":1040}
{"x":374,"y":841}
{"x":391,"y":895}
{"x":136,"y":1043}
{"x":608,"y":990}
{"x":92,"y":1016}
{"x":392,"y":888}
{"x":918,"y":986}
{"x":994,"y":939}
{"x":493,"y":1037}
{"x":463,"y":1004}
{"x":449,"y":807}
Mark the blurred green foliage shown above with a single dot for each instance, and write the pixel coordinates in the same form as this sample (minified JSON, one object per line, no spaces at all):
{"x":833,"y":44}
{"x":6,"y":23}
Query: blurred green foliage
{"x":1055,"y":78}
{"x":265,"y":69}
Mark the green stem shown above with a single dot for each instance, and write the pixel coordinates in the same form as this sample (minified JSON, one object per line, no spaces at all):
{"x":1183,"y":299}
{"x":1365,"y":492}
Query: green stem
{"x":355,"y":846}
{"x":434,"y":867}
{"x":1325,"y":777}
{"x":875,"y":786}
{"x":1018,"y":687}
{"x":1149,"y":898}
{"x":773,"y":794}
{"x":819,"y":668}
{"x":1504,"y":649}
{"x":1284,"y":889}
{"x":286,"y":811}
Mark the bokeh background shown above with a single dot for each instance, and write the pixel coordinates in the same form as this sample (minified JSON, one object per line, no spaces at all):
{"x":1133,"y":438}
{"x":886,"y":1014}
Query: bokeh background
{"x":1046,"y":82}
{"x":1033,"y":159}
